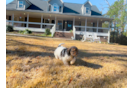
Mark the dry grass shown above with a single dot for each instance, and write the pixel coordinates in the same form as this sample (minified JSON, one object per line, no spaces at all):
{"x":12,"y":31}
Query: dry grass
{"x":30,"y":63}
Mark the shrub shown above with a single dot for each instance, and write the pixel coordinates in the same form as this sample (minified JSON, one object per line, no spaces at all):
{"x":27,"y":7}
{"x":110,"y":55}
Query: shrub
{"x":9,"y":28}
{"x":47,"y":32}
{"x":21,"y":32}
{"x":71,"y":31}
{"x":26,"y":31}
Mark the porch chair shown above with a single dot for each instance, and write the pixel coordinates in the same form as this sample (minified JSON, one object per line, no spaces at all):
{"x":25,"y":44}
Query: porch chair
{"x":84,"y":38}
{"x":72,"y":38}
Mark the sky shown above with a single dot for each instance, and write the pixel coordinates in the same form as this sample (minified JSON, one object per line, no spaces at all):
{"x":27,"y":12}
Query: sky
{"x":101,"y":4}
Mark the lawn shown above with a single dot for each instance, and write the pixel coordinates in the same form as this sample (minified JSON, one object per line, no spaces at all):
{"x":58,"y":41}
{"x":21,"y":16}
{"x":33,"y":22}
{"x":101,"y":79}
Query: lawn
{"x":30,"y":63}
{"x":32,"y":34}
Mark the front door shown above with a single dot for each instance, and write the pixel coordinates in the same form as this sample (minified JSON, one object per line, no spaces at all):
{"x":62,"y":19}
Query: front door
{"x":69,"y":25}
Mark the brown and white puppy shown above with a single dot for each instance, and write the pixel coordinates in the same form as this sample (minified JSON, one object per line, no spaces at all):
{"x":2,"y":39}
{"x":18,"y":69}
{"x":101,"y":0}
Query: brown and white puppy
{"x":66,"y":55}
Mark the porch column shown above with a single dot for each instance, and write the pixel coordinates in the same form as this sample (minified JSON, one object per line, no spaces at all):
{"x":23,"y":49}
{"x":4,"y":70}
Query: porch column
{"x":27,"y":19}
{"x":97,"y":26}
{"x":55,"y":22}
{"x":12,"y":19}
{"x":41,"y":21}
{"x":74,"y":22}
{"x":85,"y":25}
{"x":74,"y":30}
{"x":109,"y":33}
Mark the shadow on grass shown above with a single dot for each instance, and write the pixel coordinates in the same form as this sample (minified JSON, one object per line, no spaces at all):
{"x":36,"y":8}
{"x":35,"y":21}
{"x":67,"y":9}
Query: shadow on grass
{"x":84,"y":53}
{"x":31,"y":37}
{"x":80,"y":62}
{"x":28,"y":53}
{"x":121,"y":60}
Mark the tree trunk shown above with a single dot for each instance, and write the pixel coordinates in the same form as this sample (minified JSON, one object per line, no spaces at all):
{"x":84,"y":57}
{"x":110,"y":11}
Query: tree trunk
{"x":114,"y":25}
{"x":117,"y":36}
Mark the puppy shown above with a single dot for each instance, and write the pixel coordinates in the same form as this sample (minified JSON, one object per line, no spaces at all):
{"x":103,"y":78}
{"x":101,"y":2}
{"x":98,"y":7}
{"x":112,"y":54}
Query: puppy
{"x":66,"y":55}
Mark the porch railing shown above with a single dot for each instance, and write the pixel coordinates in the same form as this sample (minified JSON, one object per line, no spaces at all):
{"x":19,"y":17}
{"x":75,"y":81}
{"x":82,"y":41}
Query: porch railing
{"x":91,"y":30}
{"x":53,"y":30}
{"x":28,"y":23}
{"x":74,"y":31}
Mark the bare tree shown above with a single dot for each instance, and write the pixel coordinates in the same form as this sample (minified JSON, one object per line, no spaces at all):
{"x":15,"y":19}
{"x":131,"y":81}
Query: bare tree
{"x":107,"y":3}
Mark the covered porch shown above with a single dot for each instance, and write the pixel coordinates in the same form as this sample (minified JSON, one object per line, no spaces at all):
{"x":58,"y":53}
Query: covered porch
{"x":78,"y":24}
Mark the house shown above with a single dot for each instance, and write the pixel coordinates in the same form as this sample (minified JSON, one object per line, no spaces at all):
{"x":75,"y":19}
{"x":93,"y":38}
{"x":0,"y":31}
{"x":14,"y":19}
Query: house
{"x":59,"y":16}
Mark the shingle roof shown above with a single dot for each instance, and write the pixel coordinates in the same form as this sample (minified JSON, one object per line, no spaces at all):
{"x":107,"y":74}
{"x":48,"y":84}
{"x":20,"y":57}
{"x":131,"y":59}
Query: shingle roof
{"x":11,"y":5}
{"x":77,"y":8}
{"x":72,"y":6}
{"x":69,"y":8}
{"x":33,"y":7}
{"x":41,"y":4}
{"x":94,"y":8}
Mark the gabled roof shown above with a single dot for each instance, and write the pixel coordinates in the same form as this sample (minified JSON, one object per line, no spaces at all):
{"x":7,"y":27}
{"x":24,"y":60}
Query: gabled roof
{"x":88,"y":2}
{"x":60,"y":0}
{"x":11,"y":5}
{"x":72,"y":6}
{"x":77,"y":8}
{"x":41,"y":5}
{"x":33,"y":7}
{"x":95,"y":9}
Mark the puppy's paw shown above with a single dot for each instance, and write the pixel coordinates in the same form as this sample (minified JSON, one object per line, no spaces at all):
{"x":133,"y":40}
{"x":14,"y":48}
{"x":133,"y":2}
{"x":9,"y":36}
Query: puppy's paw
{"x":71,"y":62}
{"x":66,"y":63}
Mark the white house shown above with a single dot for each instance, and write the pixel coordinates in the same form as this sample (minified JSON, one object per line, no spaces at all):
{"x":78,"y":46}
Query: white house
{"x":59,"y":16}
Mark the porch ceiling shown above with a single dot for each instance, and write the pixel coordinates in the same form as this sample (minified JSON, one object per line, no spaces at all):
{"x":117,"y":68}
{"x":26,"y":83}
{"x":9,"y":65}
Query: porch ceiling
{"x":57,"y":15}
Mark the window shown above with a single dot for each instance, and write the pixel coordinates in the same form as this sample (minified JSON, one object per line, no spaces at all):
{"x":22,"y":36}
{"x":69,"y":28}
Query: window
{"x":21,"y":4}
{"x":9,"y":17}
{"x":49,"y":7}
{"x":87,"y":10}
{"x":69,"y":25}
{"x":46,"y":21}
{"x":53,"y":21}
{"x":60,"y":25}
{"x":55,"y":8}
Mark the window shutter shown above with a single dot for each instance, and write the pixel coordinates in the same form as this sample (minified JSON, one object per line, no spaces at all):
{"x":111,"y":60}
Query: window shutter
{"x":60,"y":9}
{"x":84,"y":10}
{"x":49,"y":7}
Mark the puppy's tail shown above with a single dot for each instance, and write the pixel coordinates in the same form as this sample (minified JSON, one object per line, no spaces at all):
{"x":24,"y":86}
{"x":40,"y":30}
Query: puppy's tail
{"x":60,"y":44}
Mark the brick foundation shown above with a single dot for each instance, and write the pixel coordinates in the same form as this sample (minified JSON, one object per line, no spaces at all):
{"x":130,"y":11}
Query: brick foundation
{"x":63,"y":35}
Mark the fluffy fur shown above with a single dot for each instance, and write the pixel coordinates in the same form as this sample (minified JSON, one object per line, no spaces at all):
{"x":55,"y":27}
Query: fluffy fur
{"x":66,"y":55}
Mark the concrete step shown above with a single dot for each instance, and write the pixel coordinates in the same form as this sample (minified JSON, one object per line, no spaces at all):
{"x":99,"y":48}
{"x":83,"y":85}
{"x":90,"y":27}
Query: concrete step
{"x":63,"y":35}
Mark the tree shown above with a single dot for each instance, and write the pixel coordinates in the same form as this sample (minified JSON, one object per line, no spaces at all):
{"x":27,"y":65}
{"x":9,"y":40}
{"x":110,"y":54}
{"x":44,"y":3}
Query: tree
{"x":105,"y":24}
{"x":119,"y":13}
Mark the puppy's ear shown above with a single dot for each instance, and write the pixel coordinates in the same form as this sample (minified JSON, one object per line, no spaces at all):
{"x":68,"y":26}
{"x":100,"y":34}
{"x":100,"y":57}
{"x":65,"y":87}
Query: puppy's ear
{"x":77,"y":51}
{"x":68,"y":51}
